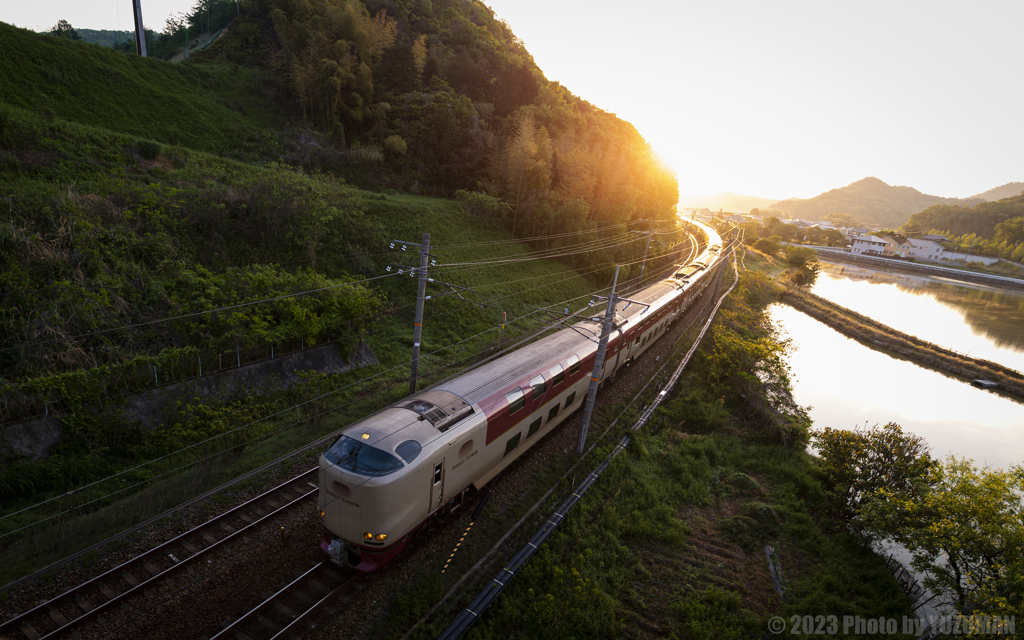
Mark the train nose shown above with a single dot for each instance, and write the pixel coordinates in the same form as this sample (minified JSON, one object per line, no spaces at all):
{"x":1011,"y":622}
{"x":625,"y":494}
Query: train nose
{"x":342,"y":499}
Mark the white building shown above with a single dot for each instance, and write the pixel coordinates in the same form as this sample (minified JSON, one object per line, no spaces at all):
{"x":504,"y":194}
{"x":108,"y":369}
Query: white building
{"x":871,"y":245}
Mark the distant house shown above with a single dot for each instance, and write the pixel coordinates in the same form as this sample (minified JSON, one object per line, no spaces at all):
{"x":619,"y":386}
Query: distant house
{"x":872,"y":245}
{"x":923,"y":249}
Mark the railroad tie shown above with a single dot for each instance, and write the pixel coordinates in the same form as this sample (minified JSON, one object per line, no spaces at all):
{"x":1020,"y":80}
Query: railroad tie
{"x":319,"y":587}
{"x":150,"y":567}
{"x":333,"y":575}
{"x":83,"y":604}
{"x":188,"y":547}
{"x":303,"y":598}
{"x":58,"y":617}
{"x":269,"y":624}
{"x":130,"y":579}
{"x":227,"y":527}
{"x":241,"y":636}
{"x":30,"y":632}
{"x":209,"y":539}
{"x":247,"y":519}
{"x":107,"y":591}
{"x":284,"y":609}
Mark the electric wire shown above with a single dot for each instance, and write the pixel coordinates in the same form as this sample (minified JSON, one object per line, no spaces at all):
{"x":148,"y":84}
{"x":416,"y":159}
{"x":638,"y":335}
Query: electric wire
{"x":575,"y":274}
{"x":257,"y":421}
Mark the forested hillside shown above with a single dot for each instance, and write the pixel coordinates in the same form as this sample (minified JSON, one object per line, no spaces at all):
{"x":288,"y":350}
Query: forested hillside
{"x":990,"y":228}
{"x":870,"y":201}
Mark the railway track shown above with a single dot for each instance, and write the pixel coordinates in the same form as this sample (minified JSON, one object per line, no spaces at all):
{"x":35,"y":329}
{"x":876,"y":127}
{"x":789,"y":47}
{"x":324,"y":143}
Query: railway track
{"x":281,"y":614}
{"x":88,"y":602}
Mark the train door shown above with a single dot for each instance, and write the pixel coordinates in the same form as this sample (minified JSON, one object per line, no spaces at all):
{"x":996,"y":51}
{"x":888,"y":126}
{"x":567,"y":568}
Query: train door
{"x":437,"y":486}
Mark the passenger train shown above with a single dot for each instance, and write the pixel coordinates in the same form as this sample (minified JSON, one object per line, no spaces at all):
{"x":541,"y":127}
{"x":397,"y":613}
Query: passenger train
{"x":391,"y":472}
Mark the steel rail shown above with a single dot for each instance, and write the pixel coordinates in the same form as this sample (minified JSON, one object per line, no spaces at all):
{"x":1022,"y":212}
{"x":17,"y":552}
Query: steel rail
{"x":230,"y":629}
{"x":289,"y":629}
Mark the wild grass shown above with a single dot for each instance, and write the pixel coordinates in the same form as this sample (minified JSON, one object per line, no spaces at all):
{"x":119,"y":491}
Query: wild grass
{"x":211,"y":106}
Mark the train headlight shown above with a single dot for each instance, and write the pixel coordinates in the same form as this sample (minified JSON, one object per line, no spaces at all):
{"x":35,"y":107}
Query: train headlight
{"x":381,"y":537}
{"x":368,"y":536}
{"x":323,"y":514}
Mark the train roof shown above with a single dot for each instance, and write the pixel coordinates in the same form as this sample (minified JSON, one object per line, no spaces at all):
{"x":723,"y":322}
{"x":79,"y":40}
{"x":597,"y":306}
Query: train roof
{"x":490,"y":378}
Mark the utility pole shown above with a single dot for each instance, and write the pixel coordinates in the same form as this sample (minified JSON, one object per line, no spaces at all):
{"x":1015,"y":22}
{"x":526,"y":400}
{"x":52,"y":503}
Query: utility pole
{"x":421,"y":293}
{"x":643,"y":265}
{"x":606,"y":330}
{"x":140,"y":30}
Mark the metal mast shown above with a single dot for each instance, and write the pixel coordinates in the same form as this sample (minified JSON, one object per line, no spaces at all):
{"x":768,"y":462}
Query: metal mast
{"x":421,"y":293}
{"x":606,"y":330}
{"x":140,"y":30}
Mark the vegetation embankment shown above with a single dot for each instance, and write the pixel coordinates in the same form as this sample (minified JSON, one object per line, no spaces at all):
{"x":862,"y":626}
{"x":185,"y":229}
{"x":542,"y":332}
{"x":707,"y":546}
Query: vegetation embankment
{"x":875,"y":334}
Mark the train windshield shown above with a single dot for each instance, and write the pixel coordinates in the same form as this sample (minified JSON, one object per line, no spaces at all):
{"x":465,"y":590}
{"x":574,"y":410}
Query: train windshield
{"x":349,"y":453}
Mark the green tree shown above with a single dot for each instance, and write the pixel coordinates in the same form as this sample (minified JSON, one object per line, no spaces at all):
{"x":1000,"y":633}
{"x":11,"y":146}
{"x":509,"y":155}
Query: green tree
{"x":63,"y":29}
{"x":966,"y":533}
{"x":857,"y":464}
{"x":770,"y":246}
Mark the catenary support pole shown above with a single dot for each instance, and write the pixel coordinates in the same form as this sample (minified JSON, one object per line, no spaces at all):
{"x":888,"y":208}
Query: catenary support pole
{"x":606,"y":330}
{"x":643,"y":265}
{"x":140,"y":29}
{"x":421,"y":294}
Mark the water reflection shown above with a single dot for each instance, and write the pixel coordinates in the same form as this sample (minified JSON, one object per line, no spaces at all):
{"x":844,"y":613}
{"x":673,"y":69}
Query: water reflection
{"x":984,"y":321}
{"x":848,"y":384}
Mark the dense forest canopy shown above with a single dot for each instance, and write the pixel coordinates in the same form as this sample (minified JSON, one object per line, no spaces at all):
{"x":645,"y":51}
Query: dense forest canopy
{"x":448,"y":99}
{"x":991,"y":228}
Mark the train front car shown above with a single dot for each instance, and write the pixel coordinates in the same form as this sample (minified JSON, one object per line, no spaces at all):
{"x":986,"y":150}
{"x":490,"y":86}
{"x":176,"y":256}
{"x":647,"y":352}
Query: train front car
{"x":377,"y":482}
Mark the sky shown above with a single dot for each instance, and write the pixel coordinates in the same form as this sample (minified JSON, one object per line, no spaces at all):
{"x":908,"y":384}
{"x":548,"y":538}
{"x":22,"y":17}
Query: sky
{"x":774,"y":99}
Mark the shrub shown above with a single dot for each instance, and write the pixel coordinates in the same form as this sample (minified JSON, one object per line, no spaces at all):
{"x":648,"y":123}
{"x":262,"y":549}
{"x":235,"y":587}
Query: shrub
{"x":148,"y":149}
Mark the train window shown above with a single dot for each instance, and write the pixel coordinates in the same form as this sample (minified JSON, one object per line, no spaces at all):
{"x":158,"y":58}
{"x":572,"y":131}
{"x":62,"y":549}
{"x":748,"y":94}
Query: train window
{"x":512,"y":444}
{"x":574,"y":364}
{"x":638,"y":338}
{"x":538,"y":386}
{"x":534,"y":428}
{"x":353,"y":455}
{"x":569,"y":400}
{"x":437,"y":472}
{"x":557,"y":375}
{"x":553,"y":413}
{"x":516,"y":400}
{"x":408,"y":450}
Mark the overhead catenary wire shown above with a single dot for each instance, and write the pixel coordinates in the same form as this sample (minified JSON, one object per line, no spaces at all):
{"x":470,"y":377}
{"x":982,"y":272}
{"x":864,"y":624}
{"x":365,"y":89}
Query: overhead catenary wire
{"x":545,"y":254}
{"x":543,"y":329}
{"x":492,"y":301}
{"x":239,"y":305}
{"x":249,"y":424}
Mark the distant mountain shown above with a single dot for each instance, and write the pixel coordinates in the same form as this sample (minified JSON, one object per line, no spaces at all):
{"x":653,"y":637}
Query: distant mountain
{"x":870,"y":201}
{"x":1008,"y":190}
{"x":725,"y":201}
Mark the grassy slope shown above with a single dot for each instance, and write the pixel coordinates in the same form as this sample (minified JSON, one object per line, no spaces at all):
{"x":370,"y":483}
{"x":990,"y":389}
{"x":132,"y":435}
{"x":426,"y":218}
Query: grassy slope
{"x":214,"y":107}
